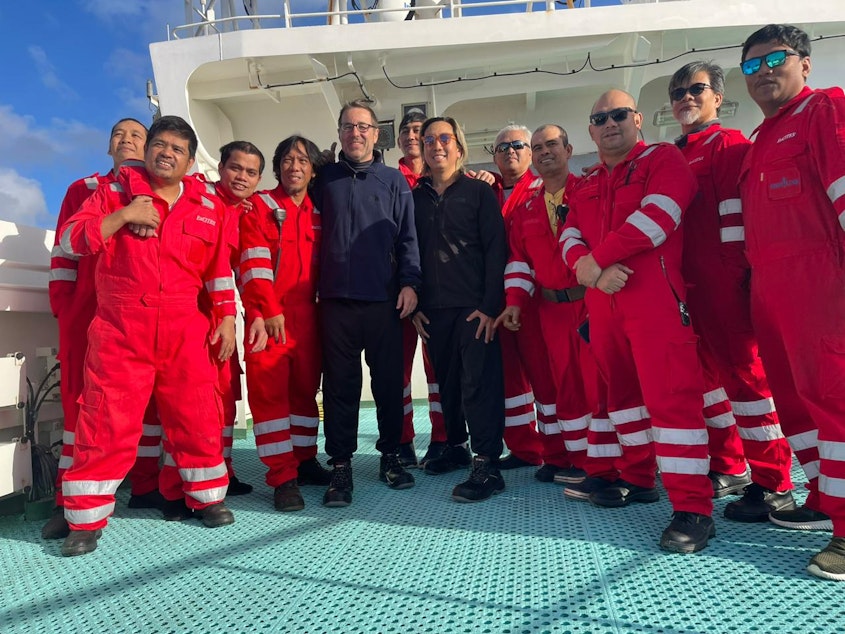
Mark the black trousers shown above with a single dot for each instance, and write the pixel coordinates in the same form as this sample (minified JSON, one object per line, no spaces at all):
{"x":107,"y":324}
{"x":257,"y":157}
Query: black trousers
{"x":469,"y":372}
{"x":349,"y":327}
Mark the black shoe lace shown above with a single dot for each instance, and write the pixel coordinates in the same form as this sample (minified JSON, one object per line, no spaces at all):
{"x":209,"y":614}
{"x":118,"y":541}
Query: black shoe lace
{"x":341,"y":477}
{"x":480,"y":471}
{"x":390,"y":463}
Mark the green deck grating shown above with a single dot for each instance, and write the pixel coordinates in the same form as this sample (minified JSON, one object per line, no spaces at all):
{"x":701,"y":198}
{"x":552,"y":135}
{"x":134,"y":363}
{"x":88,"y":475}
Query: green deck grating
{"x":414,"y":561}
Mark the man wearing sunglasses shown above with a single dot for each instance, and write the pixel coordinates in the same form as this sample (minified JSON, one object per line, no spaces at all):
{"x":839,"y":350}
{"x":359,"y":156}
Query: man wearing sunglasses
{"x":714,"y":265}
{"x":621,"y":238}
{"x":512,"y":156}
{"x":369,"y":273}
{"x":792,"y":186}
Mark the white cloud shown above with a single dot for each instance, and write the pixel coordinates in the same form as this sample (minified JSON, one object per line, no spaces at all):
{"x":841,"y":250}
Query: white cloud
{"x":21,"y":198}
{"x":23,"y":142}
{"x":49,"y":76}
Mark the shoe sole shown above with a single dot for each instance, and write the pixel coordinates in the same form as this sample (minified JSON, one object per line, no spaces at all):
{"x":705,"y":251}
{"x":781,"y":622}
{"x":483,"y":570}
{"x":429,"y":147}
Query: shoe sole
{"x":814,"y":570}
{"x":218,"y":522}
{"x":576,"y":495}
{"x":397,"y":487}
{"x":565,"y":479}
{"x":455,"y":467}
{"x":817,"y":525}
{"x":631,"y":499}
{"x":336,"y":504}
{"x":287,"y":509}
{"x":684,"y":549}
{"x":463,"y":500}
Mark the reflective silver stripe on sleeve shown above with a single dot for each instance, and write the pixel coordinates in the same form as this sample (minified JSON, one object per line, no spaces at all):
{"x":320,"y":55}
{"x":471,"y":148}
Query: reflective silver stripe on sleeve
{"x":730,"y":206}
{"x":255,"y":253}
{"x":207,"y":203}
{"x":803,"y":105}
{"x":62,"y":275}
{"x":651,"y":229}
{"x":518,"y":282}
{"x":58,"y":252}
{"x":92,"y":182}
{"x":835,"y":192}
{"x":220,"y":284}
{"x":256,"y":274}
{"x":64,"y":241}
{"x":518,"y":267}
{"x":732,"y":234}
{"x":570,"y":238}
{"x":666,"y":204}
{"x":116,"y":187}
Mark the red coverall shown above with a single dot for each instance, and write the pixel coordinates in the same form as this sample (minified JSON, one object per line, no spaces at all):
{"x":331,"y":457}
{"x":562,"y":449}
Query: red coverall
{"x":229,"y":371}
{"x":278,"y":274}
{"x":149,"y":338}
{"x":409,"y":348}
{"x":715,"y":267}
{"x":534,"y":266}
{"x":74,"y":302}
{"x":631,"y":215}
{"x":522,"y":354}
{"x":792,"y":186}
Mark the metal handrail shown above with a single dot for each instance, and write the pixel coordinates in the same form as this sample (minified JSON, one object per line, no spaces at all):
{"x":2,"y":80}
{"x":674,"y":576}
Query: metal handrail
{"x":337,"y":15}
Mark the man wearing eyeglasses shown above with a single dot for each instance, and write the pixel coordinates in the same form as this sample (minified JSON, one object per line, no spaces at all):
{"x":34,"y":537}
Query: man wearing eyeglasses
{"x":621,"y":238}
{"x":715,"y":266}
{"x":369,"y":273}
{"x":792,"y":186}
{"x":512,"y":156}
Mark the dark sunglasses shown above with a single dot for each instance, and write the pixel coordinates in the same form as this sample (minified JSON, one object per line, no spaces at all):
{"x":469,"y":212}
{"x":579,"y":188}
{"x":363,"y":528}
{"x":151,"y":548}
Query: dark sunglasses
{"x":773,"y":59}
{"x":507,"y":145}
{"x":694,"y":90}
{"x":598,"y":119}
{"x":445,"y":138}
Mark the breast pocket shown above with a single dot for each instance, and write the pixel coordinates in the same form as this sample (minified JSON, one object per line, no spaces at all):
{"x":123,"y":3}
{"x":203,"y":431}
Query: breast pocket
{"x":197,"y":241}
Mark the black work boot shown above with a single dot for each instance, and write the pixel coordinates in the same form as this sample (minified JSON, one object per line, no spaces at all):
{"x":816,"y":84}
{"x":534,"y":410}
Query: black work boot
{"x":485,"y":481}
{"x":688,"y":532}
{"x":390,"y":470}
{"x":339,"y":492}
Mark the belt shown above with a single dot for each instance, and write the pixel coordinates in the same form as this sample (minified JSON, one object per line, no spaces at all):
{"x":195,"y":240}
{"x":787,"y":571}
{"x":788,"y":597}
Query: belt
{"x":563,"y":295}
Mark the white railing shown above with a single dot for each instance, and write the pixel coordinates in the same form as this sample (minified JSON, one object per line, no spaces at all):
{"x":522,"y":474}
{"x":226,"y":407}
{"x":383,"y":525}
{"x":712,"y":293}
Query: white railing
{"x":338,"y":12}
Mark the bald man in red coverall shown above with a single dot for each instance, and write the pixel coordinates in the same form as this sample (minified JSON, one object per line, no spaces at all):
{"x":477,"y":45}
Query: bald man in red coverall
{"x":74,"y":303}
{"x":622,"y":241}
{"x":149,"y":337}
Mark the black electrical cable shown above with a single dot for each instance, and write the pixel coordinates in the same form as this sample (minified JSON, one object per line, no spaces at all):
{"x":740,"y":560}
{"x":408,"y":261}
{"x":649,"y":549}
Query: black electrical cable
{"x":45,"y":466}
{"x":588,"y":62}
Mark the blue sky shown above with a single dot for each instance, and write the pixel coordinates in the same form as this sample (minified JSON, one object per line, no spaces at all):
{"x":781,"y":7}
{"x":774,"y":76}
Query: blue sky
{"x":73,"y":68}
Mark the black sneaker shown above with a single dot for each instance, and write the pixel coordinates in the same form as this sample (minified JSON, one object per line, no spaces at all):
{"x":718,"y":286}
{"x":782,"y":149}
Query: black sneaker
{"x":622,"y":493}
{"x":408,"y":455}
{"x":312,"y":472}
{"x":390,"y":470}
{"x":687,"y":532}
{"x":756,"y":504}
{"x":434,"y":451}
{"x":584,"y":489}
{"x":726,"y":484}
{"x":547,"y":473}
{"x":339,"y":492}
{"x":830,"y":563}
{"x":570,"y":475}
{"x":236,"y":487}
{"x":56,"y":527}
{"x":512,"y":461}
{"x":802,"y":519}
{"x":452,"y":458}
{"x":485,"y":480}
